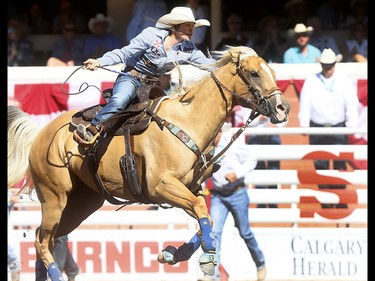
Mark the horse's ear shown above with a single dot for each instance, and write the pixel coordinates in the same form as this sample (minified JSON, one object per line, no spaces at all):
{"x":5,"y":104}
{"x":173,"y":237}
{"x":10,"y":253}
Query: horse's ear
{"x":232,"y":54}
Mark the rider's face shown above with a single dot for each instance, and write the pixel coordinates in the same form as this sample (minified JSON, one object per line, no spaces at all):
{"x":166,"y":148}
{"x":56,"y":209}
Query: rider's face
{"x":185,"y":30}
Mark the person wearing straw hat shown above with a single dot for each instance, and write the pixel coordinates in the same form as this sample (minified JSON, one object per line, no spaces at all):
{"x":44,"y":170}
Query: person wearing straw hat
{"x":329,"y":99}
{"x":302,"y":52}
{"x":149,"y":55}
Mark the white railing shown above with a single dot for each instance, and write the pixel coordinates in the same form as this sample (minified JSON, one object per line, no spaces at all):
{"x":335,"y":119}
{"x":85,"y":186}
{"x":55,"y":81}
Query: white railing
{"x":172,"y":217}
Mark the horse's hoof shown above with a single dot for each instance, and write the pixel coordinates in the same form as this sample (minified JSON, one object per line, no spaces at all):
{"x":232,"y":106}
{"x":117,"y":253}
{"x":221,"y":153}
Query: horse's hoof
{"x":207,"y":263}
{"x":167,"y":255}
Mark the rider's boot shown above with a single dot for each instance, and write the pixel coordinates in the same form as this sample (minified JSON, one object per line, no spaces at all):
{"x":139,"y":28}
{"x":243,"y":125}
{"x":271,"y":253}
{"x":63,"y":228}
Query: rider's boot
{"x":87,"y":135}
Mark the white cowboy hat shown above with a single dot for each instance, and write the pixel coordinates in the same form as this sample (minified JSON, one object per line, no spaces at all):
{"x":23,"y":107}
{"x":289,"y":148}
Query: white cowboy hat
{"x":300,"y":28}
{"x":328,"y":57}
{"x":179,"y":15}
{"x":101,"y":18}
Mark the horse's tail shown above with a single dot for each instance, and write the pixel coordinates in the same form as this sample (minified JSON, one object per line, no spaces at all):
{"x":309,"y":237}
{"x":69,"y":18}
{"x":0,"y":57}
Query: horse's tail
{"x":22,"y":131}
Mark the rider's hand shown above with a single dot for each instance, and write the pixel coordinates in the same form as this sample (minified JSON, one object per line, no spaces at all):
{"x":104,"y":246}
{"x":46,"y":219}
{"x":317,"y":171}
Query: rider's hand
{"x":91,"y":64}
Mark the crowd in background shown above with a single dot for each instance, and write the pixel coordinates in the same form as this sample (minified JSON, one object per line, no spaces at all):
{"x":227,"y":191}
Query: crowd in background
{"x":265,"y":27}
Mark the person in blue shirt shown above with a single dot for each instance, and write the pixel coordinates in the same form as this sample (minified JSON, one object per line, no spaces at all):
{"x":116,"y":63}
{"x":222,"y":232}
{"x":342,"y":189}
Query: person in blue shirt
{"x":67,"y":50}
{"x":149,"y":55}
{"x":302,"y":52}
{"x":144,"y":12}
{"x":20,"y":48}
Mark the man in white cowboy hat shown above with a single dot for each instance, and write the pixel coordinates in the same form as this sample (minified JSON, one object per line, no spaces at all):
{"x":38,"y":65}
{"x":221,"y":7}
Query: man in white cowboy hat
{"x":101,"y":39}
{"x":302,"y":52}
{"x":329,"y":99}
{"x":149,"y":55}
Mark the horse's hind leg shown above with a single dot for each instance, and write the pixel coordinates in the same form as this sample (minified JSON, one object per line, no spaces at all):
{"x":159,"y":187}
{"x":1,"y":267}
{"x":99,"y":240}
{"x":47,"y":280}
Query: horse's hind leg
{"x":52,"y":205}
{"x":40,"y":269}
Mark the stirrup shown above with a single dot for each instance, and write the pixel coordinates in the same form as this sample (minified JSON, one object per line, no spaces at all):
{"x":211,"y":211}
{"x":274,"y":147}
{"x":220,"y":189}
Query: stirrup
{"x":84,"y":136}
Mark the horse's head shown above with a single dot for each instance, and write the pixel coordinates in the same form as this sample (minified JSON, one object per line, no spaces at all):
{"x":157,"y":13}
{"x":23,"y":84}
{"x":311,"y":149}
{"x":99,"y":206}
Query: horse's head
{"x":258,"y":89}
{"x":256,"y":86}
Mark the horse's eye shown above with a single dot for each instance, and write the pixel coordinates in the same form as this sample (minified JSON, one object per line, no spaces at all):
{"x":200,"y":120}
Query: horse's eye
{"x":254,"y":74}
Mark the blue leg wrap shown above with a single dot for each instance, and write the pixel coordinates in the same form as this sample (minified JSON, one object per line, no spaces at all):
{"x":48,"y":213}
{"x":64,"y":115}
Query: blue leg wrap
{"x":54,"y":272}
{"x":208,"y":240}
{"x":40,"y":271}
{"x":185,"y":251}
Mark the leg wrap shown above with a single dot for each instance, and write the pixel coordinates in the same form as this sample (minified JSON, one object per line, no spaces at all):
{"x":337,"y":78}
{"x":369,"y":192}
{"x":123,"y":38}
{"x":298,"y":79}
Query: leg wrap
{"x":185,"y":251}
{"x":54,"y":272}
{"x":208,"y":240}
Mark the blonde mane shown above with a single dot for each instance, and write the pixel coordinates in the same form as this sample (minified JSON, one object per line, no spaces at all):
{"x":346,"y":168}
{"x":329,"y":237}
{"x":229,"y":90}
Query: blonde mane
{"x":222,"y":57}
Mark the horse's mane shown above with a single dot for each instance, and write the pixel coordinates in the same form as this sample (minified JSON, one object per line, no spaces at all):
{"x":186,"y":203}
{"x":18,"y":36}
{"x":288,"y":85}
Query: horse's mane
{"x":226,"y":55}
{"x":222,"y":57}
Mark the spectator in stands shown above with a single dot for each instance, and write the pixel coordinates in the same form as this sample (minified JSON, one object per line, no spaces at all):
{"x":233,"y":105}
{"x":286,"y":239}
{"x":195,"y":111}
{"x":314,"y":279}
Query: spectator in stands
{"x":36,"y":21}
{"x":320,"y":40}
{"x":14,"y":265}
{"x":270,"y":44}
{"x":199,"y":37}
{"x":302,"y":51}
{"x":68,"y":50}
{"x":20,"y":48}
{"x":234,"y":37}
{"x":144,"y":14}
{"x":149,"y":55}
{"x":328,"y":99}
{"x":355,"y":48}
{"x":68,"y":14}
{"x":64,"y":259}
{"x":229,"y":195}
{"x":101,"y":40}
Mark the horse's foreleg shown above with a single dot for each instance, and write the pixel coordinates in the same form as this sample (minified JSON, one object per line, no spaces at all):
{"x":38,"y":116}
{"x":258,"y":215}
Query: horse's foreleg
{"x":175,"y":193}
{"x":178,"y":195}
{"x":173,"y":255}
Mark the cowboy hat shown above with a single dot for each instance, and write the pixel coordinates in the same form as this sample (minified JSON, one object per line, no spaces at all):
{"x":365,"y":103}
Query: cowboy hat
{"x":328,"y":57}
{"x":101,"y":18}
{"x":180,"y":15}
{"x":300,"y":28}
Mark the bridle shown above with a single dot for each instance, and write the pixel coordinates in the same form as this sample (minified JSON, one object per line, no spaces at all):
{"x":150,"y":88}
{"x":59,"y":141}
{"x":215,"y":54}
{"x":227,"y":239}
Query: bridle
{"x":260,"y":103}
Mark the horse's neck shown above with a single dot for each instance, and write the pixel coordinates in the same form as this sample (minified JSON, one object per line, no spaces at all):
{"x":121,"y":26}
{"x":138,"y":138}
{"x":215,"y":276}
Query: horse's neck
{"x":210,"y":106}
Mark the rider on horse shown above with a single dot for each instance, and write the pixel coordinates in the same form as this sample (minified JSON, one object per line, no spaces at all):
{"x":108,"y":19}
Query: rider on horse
{"x":155,"y":51}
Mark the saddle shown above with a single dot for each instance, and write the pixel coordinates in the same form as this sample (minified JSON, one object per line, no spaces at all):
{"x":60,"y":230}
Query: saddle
{"x":139,"y":113}
{"x":134,"y":119}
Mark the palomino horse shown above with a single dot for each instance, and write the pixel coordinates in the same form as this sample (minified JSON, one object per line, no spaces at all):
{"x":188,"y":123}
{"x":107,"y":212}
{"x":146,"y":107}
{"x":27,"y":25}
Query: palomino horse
{"x":66,"y":188}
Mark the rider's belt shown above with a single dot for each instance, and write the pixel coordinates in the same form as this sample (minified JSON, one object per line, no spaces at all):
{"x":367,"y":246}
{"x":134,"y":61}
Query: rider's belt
{"x":143,"y":78}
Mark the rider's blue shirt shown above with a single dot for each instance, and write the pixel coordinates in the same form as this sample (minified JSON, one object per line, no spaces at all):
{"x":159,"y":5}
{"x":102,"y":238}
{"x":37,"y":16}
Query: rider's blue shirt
{"x":145,"y":53}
